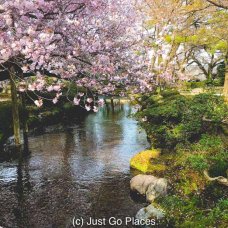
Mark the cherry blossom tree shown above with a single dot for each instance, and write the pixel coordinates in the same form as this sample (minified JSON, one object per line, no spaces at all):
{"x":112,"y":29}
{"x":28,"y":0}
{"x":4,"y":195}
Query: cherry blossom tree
{"x":90,"y":43}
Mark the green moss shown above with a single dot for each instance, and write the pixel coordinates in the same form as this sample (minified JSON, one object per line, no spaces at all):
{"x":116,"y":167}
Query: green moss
{"x":189,"y":212}
{"x":209,"y":144}
{"x":190,"y":182}
{"x":143,"y":161}
{"x":198,"y":162}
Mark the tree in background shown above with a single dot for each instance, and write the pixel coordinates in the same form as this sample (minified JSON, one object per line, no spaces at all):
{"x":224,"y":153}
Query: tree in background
{"x":219,"y":3}
{"x":167,"y":55}
{"x":211,"y":18}
{"x":186,"y":33}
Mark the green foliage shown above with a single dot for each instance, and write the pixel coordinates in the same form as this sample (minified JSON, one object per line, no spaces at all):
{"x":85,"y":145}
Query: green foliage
{"x":176,"y":40}
{"x":198,"y":162}
{"x":204,"y":108}
{"x":36,"y":117}
{"x":207,"y":84}
{"x":217,"y":81}
{"x":219,"y":163}
{"x":68,"y":106}
{"x":209,"y":144}
{"x":194,"y":85}
{"x":209,"y":153}
{"x":169,"y":93}
{"x":173,"y":118}
{"x":196,"y":202}
{"x":221,"y":73}
{"x":190,"y":212}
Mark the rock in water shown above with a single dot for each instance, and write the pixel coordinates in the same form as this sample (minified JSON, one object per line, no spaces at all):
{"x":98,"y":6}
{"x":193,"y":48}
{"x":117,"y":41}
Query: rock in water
{"x":149,"y":185}
{"x":150,"y":212}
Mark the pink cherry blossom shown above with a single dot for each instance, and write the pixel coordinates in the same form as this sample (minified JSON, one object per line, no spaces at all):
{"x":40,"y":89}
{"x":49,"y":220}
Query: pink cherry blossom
{"x":38,"y":103}
{"x":89,"y":100}
{"x":76,"y":101}
{"x":87,"y":107}
{"x":50,"y":88}
{"x":31,"y":87}
{"x":101,"y":102}
{"x":98,"y":45}
{"x":55,"y":100}
{"x":81,"y":94}
{"x":22,"y":89}
{"x":95,"y":109}
{"x":58,"y":95}
{"x":56,"y":88}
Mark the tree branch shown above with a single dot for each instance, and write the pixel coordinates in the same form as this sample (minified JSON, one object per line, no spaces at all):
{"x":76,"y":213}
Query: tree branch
{"x":220,"y":5}
{"x":219,"y":179}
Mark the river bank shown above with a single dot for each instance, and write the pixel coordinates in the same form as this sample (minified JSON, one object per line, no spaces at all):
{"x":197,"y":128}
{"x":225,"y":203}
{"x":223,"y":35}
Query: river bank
{"x":192,"y":141}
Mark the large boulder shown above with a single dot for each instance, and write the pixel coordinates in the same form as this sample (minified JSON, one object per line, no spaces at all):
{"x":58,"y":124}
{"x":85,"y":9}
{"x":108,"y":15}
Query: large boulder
{"x":149,"y":185}
{"x":140,"y":183}
{"x":156,"y":188}
{"x":143,"y":161}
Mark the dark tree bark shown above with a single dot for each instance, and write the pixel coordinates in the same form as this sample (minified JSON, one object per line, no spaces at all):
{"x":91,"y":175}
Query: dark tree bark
{"x":15,"y":106}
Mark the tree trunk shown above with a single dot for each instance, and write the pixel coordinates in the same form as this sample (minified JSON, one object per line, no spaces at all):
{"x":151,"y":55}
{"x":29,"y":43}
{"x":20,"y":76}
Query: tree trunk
{"x":24,"y":119}
{"x":112,"y":104}
{"x":225,"y":88}
{"x":24,"y":123}
{"x":15,"y":109}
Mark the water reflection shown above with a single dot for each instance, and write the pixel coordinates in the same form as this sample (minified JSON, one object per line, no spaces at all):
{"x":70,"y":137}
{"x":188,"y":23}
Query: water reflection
{"x":79,"y":170}
{"x":22,"y":189}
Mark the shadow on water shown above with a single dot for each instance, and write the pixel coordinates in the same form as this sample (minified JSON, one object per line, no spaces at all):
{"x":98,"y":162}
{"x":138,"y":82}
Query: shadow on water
{"x":22,"y":189}
{"x":80,"y":169}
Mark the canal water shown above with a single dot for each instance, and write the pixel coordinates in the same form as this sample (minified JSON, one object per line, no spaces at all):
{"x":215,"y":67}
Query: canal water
{"x":77,"y":170}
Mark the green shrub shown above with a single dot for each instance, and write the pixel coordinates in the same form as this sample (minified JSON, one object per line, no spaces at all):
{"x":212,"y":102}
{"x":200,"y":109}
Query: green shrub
{"x":198,"y":162}
{"x":208,"y":143}
{"x":194,"y":85}
{"x":219,"y":163}
{"x":221,"y":73}
{"x":169,"y":93}
{"x":191,"y":212}
{"x":209,"y":153}
{"x":173,"y":118}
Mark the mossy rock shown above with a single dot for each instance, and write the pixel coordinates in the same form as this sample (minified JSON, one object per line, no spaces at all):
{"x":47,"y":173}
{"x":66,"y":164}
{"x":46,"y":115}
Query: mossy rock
{"x":143,"y":161}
